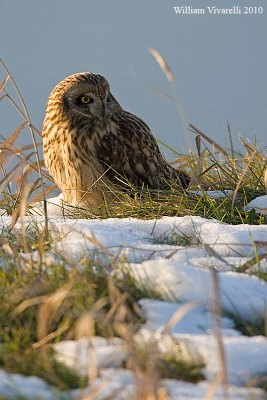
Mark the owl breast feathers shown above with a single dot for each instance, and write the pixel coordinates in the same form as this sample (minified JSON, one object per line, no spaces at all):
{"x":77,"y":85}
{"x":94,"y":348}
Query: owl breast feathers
{"x":90,"y":143}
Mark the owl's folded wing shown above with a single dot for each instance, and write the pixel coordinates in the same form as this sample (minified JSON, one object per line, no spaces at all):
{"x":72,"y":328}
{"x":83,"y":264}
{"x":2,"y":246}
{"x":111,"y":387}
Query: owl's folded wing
{"x":130,"y":152}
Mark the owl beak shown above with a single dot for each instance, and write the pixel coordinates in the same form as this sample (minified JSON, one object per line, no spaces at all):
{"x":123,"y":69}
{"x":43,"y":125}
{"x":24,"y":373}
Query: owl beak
{"x":104,"y":110}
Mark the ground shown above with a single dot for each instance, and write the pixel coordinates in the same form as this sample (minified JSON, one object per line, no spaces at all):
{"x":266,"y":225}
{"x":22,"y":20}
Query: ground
{"x":201,"y":299}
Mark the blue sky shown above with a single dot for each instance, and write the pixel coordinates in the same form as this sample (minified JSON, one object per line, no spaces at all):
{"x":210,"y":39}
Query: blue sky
{"x":219,"y":62}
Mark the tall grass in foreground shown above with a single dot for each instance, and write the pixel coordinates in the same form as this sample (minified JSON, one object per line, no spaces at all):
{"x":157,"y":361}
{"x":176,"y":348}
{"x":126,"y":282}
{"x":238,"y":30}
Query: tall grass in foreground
{"x":46,"y":298}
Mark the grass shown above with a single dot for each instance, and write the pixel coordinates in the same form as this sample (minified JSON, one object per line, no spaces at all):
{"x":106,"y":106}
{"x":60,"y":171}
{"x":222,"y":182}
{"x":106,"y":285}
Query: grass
{"x":45,"y":298}
{"x":174,"y":238}
{"x":168,"y":365}
{"x":44,"y":302}
{"x":46,"y":305}
{"x":247,"y":328}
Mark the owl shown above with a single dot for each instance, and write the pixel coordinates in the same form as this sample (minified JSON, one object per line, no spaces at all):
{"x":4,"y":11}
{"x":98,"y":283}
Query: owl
{"x":91,"y":144}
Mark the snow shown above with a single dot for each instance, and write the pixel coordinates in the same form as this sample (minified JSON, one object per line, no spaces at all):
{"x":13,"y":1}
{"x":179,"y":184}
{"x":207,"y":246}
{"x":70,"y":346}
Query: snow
{"x":240,"y":294}
{"x":184,"y":275}
{"x":245,"y":357}
{"x":15,"y":385}
{"x":196,"y":321}
{"x":216,"y":194}
{"x":259,"y":204}
{"x":101,"y":352}
{"x":120,"y":384}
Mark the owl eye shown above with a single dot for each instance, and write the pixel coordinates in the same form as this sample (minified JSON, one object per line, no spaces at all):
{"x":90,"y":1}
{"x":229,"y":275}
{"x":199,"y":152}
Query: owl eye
{"x":85,"y":99}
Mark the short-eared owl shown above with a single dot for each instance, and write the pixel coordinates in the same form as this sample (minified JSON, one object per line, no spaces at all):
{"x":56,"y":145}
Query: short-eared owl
{"x":90,"y":143}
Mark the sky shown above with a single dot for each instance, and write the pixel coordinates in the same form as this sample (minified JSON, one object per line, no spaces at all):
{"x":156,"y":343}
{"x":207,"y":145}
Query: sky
{"x":219,"y":62}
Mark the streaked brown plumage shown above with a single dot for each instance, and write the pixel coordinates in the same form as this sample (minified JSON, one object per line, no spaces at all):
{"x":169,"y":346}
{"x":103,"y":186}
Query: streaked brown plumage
{"x":89,"y":141}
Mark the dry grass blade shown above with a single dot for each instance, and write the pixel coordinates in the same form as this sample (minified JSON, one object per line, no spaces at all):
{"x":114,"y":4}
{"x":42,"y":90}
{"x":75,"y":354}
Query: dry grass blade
{"x":22,"y":200}
{"x":249,"y":264}
{"x":85,"y":326}
{"x":251,"y":149}
{"x":176,"y":317}
{"x":199,"y":167}
{"x":34,"y":168}
{"x":5,"y":146}
{"x":265,"y":180}
{"x":2,"y":97}
{"x":36,"y":130}
{"x":230,"y":139}
{"x":64,"y":327}
{"x":168,"y":257}
{"x":20,"y":150}
{"x":5,"y":246}
{"x":218,"y":333}
{"x":5,"y":174}
{"x":162,"y":63}
{"x":23,"y":180}
{"x":4,"y":153}
{"x":6,"y":149}
{"x":198,"y":144}
{"x":12,"y":173}
{"x":13,"y":137}
{"x":48,"y":310}
{"x":205,"y":171}
{"x":242,"y":177}
{"x":213,"y":386}
{"x":3,"y":83}
{"x":28,"y":303}
{"x":212,"y":252}
{"x":208,"y":139}
{"x":39,"y":196}
{"x":28,"y":120}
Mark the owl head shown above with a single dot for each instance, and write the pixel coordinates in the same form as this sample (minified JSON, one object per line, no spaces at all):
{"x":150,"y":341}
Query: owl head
{"x":85,"y":94}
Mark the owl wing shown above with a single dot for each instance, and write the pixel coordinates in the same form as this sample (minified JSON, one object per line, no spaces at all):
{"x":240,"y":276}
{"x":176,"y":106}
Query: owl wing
{"x":130,"y":151}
